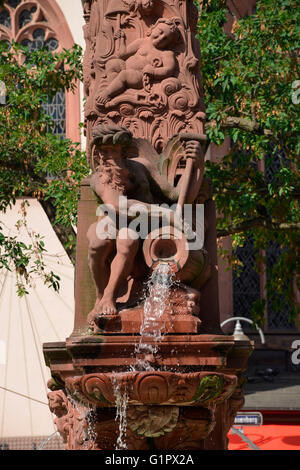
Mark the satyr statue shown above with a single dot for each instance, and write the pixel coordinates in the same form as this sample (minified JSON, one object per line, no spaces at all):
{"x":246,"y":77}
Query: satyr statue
{"x":123,"y":167}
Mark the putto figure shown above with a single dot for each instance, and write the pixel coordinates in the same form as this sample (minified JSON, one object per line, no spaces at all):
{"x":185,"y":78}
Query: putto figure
{"x":144,"y":60}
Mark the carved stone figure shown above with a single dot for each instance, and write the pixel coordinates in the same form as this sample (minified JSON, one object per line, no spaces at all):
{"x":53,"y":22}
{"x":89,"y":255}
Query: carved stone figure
{"x":143,"y":61}
{"x":162,"y":359}
{"x":121,"y":168}
{"x":70,"y":421}
{"x":142,"y":68}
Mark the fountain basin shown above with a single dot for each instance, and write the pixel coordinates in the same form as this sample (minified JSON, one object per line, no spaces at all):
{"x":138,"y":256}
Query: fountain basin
{"x":189,"y":404}
{"x":152,"y":388}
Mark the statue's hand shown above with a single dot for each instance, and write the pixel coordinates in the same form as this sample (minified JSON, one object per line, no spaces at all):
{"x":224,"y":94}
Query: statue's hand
{"x":147,"y":82}
{"x":148,"y":70}
{"x":167,"y":217}
{"x":194,"y":151}
{"x":177,"y":221}
{"x":119,"y":34}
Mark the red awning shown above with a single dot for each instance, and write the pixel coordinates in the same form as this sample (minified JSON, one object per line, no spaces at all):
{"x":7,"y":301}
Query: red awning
{"x":268,"y":437}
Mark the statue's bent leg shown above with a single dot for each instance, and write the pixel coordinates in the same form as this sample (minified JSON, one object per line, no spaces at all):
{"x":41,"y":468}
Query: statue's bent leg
{"x":127,"y":246}
{"x":124,"y":80}
{"x":99,"y":251}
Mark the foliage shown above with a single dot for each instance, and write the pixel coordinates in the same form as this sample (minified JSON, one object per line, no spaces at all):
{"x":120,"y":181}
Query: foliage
{"x":27,"y":260}
{"x":249,"y":81}
{"x":33,"y":159}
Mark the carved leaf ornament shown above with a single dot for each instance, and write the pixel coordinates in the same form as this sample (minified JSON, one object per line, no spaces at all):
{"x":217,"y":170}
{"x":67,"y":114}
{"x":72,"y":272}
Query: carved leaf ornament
{"x":142,"y":69}
{"x":159,"y":388}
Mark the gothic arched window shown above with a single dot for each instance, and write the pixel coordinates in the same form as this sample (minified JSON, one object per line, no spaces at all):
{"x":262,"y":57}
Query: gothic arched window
{"x":34,"y":24}
{"x":27,"y":23}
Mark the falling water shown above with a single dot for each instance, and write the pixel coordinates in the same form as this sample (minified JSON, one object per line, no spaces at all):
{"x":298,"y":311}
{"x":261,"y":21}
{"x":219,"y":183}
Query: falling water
{"x":90,"y":419}
{"x":85,"y":414}
{"x":156,"y":302}
{"x":121,"y":397}
{"x":45,"y":441}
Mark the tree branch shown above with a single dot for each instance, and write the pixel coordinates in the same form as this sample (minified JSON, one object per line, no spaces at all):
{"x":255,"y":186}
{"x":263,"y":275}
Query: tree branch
{"x":295,"y":194}
{"x":257,"y":222}
{"x":244,"y":124}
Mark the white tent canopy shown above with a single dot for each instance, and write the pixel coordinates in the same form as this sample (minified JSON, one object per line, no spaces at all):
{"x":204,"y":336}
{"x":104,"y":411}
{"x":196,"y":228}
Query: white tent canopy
{"x":28,"y":322}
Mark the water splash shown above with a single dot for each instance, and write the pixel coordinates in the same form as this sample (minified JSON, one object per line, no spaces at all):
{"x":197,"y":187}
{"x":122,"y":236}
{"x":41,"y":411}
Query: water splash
{"x":45,"y":441}
{"x":91,"y":434}
{"x":151,"y":333}
{"x":121,"y":397}
{"x":85,"y":414}
{"x":156,"y":302}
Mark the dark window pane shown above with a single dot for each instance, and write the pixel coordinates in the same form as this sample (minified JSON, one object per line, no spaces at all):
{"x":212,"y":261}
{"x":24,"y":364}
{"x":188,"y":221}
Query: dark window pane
{"x":273,"y":163}
{"x":39,"y":34}
{"x":24,"y":18}
{"x":39,"y":41}
{"x":56,"y":108}
{"x":13,"y":3}
{"x":51,"y":44}
{"x":278,"y":316}
{"x":5,"y":19}
{"x":246,"y":284}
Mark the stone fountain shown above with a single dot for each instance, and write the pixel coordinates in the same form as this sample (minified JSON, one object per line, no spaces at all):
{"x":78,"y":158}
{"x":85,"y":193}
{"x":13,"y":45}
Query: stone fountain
{"x":147,"y":366}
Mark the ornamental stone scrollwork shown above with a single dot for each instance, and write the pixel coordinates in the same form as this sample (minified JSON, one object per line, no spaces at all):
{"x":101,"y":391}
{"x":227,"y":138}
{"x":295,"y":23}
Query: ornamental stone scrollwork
{"x":153,"y":388}
{"x":158,"y":427}
{"x":142,"y":68}
{"x":152,"y":421}
{"x":70,"y":421}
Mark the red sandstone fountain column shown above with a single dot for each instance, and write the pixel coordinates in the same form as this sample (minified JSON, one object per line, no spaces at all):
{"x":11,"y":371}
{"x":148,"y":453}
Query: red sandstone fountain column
{"x":144,"y":121}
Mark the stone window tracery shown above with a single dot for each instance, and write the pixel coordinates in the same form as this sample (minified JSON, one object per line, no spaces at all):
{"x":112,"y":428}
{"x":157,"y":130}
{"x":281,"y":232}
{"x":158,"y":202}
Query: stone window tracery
{"x":27,"y":23}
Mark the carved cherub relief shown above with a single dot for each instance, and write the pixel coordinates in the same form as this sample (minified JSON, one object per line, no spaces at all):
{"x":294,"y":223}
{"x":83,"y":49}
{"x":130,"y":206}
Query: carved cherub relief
{"x":142,"y":62}
{"x":137,"y":80}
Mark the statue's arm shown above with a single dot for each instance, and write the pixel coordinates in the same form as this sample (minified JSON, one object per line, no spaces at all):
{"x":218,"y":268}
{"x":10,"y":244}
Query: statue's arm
{"x":128,"y":207}
{"x":115,"y":198}
{"x":164,"y":71}
{"x":159,"y":184}
{"x":131,"y":49}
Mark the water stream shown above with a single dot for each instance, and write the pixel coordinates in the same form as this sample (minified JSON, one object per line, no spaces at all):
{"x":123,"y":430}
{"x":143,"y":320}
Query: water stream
{"x":151,"y":333}
{"x":156,"y":302}
{"x":121,"y":396}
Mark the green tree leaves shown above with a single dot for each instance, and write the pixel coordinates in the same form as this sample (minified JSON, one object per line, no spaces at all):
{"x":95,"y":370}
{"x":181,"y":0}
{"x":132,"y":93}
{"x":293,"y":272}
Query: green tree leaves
{"x":248,"y":79}
{"x":35,"y":162}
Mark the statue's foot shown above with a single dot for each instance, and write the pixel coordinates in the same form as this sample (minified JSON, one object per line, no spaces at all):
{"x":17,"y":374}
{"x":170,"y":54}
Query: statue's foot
{"x":107,"y":306}
{"x":102,"y":99}
{"x":102,"y":307}
{"x":92,"y":317}
{"x":192,"y":302}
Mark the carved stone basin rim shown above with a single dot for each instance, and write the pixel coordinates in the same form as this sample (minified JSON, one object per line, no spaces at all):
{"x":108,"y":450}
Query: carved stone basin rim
{"x":152,"y":388}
